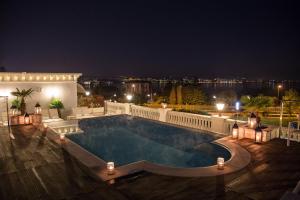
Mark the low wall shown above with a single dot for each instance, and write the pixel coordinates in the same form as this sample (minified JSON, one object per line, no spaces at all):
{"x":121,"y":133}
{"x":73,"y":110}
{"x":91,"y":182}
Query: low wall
{"x":215,"y":124}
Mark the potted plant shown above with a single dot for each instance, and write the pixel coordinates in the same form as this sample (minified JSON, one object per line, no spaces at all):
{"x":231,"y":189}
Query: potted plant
{"x":22,"y":94}
{"x":56,"y":103}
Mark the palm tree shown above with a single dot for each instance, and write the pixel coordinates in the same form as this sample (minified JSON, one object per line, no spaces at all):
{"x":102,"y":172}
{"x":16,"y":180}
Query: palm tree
{"x":22,"y":94}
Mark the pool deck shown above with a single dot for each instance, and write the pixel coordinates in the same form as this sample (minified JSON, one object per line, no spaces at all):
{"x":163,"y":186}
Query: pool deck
{"x":34,"y":167}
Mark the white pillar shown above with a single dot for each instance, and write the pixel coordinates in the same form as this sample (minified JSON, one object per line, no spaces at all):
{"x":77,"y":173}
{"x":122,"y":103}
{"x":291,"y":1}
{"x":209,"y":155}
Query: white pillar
{"x":163,"y":114}
{"x":128,"y":108}
{"x":218,"y":124}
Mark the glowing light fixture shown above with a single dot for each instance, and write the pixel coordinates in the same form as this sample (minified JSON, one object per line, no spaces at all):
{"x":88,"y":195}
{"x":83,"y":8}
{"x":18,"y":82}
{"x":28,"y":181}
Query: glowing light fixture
{"x":220,"y":108}
{"x":62,"y":137}
{"x":110,"y":168}
{"x":258,"y":135}
{"x":235,"y":131}
{"x":37,"y":109}
{"x":237,"y":106}
{"x":87,"y":93}
{"x":26,"y":118}
{"x":220,"y":163}
{"x":129,"y":97}
{"x":164,"y":105}
{"x":252,"y":121}
{"x":13,"y":110}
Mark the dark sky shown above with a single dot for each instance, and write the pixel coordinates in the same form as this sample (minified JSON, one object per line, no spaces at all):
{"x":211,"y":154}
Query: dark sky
{"x":256,"y":39}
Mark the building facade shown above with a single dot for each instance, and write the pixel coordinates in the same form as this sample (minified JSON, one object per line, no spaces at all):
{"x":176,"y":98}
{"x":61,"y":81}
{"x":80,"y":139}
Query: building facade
{"x":46,"y":86}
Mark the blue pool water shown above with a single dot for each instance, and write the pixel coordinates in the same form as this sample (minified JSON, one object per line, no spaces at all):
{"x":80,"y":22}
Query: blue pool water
{"x":125,"y":139}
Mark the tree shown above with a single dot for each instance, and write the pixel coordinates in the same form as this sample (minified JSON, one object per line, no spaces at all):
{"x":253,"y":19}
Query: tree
{"x":228,"y":96}
{"x":245,"y":100}
{"x":16,"y":103}
{"x":291,"y":98}
{"x":259,"y":103}
{"x":56,"y":103}
{"x":22,"y":94}
{"x":172,"y":98}
{"x":193,"y":95}
{"x":179,"y":94}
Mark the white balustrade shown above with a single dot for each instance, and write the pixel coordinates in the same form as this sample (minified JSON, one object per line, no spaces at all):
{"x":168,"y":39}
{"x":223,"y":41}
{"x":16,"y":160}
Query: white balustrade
{"x":202,"y":122}
{"x":112,"y":108}
{"x":145,"y":112}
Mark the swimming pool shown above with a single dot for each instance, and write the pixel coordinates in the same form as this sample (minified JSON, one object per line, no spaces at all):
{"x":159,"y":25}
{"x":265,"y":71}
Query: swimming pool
{"x":125,"y":139}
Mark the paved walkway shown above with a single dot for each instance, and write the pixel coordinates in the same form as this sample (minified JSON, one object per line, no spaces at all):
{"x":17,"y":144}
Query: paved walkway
{"x":32,"y":167}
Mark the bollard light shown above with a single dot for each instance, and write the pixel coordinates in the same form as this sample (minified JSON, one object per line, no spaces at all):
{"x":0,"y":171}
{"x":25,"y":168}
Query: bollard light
{"x":62,"y":137}
{"x":220,"y":163}
{"x":252,"y":120}
{"x":13,"y":110}
{"x":110,"y":168}
{"x":235,"y":131}
{"x":37,"y":109}
{"x":258,"y":135}
{"x":26,"y":118}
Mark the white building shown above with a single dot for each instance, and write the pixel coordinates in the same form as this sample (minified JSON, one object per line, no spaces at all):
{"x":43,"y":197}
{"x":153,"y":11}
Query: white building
{"x":46,"y":86}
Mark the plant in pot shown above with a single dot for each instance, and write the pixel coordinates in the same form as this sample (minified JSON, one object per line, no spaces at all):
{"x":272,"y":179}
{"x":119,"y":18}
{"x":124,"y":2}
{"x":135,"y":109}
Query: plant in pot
{"x":22,"y":94}
{"x":56,"y":103}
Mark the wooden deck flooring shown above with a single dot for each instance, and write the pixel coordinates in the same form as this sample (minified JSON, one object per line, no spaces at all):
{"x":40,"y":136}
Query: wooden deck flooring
{"x":32,"y":167}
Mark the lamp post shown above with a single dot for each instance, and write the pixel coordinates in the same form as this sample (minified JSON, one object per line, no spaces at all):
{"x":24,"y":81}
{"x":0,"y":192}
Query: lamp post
{"x":164,"y":105}
{"x":87,"y":93}
{"x":129,"y":97}
{"x":220,"y":107}
{"x":278,"y":91}
{"x":237,"y":108}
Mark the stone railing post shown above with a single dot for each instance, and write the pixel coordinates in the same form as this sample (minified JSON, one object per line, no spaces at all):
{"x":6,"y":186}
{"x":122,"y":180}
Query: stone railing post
{"x":218,"y":124}
{"x":127,"y":108}
{"x":163,"y":114}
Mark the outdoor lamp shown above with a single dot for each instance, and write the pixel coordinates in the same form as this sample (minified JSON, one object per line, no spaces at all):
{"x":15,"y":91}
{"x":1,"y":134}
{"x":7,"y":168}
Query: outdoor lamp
{"x":237,"y":106}
{"x":26,"y":119}
{"x":220,"y":163}
{"x":129,"y":97}
{"x":62,"y":137}
{"x":258,"y":135}
{"x":110,"y":168}
{"x":164,"y":105}
{"x":37,"y":109}
{"x":252,"y":120}
{"x":13,"y":110}
{"x":235,"y":131}
{"x":220,"y":107}
{"x":87,"y":93}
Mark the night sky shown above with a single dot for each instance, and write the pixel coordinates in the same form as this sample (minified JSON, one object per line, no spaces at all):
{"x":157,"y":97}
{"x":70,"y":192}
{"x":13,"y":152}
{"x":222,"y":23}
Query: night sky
{"x":255,"y":39}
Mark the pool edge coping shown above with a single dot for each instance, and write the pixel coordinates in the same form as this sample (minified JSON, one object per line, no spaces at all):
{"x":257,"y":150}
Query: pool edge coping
{"x":240,"y":158}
